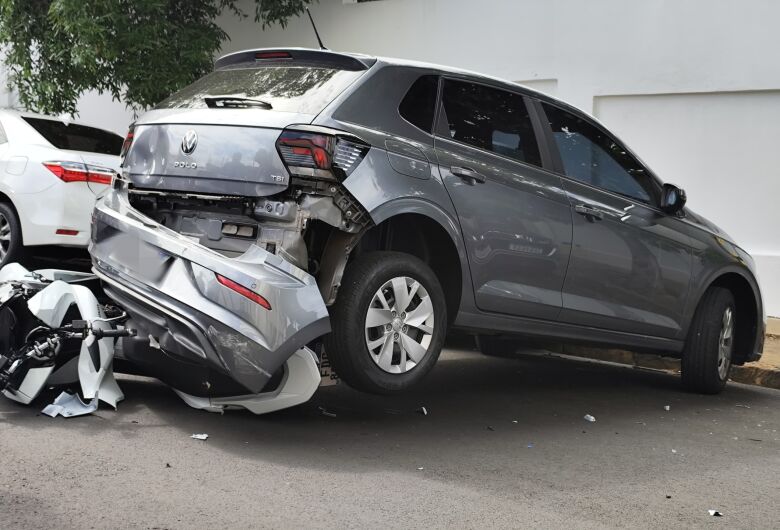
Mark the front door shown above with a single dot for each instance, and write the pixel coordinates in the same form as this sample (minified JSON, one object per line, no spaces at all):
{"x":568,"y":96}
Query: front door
{"x":630,"y":267}
{"x":515,"y":217}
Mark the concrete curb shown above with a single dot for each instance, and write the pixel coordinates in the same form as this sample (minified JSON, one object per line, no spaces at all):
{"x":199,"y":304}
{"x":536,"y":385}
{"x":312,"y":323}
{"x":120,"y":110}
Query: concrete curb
{"x":750,"y":374}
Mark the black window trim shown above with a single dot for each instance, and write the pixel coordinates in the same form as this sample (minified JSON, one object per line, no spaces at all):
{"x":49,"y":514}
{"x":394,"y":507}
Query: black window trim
{"x":557,"y":166}
{"x":536,"y":123}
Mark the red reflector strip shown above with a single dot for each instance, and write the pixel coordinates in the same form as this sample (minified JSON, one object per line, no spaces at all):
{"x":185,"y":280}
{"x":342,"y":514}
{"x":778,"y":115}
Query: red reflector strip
{"x":243,"y":291}
{"x":66,"y":232}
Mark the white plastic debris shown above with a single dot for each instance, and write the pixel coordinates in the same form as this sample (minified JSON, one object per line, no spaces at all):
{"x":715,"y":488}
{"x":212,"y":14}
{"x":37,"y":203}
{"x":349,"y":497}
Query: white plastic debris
{"x":423,"y":411}
{"x":589,"y":418}
{"x":69,"y":405}
{"x":715,"y":513}
{"x":203,"y":436}
{"x":667,"y":407}
{"x":420,"y":468}
{"x":674,"y":451}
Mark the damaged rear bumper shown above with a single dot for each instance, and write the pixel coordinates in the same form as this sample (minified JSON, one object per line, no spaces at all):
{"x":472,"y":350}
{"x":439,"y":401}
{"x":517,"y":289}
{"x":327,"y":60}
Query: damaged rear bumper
{"x":195,"y":333}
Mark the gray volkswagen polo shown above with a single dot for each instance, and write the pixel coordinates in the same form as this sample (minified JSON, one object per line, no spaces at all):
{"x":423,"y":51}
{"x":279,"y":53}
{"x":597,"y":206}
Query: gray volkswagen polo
{"x":365,"y":206}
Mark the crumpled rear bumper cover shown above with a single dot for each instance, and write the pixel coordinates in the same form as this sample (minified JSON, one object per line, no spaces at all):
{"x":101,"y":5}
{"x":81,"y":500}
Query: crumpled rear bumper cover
{"x":185,"y":317}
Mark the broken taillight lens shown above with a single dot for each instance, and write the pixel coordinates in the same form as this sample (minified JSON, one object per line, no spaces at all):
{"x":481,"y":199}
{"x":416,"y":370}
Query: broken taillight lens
{"x":243,"y":291}
{"x":308,"y":153}
{"x":78,"y":172}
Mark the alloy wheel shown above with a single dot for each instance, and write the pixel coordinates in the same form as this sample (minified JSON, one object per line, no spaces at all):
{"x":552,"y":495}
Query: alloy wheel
{"x":725,"y":343}
{"x":399,"y":325}
{"x":5,"y":237}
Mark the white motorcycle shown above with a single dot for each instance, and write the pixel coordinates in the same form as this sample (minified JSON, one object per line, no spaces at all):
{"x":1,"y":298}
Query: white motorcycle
{"x":53,"y":332}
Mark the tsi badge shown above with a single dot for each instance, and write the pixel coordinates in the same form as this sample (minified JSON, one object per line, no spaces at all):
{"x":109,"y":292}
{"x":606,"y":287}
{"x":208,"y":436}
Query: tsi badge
{"x":188,"y":145}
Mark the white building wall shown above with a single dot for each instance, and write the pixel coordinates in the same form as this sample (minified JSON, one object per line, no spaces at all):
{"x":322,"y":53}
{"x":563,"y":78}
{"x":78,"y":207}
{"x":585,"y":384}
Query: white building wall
{"x":691,"y":85}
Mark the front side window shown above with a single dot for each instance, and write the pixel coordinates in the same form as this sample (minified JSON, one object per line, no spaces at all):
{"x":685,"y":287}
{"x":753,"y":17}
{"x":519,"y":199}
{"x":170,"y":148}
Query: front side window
{"x":591,"y":156}
{"x":491,"y":119}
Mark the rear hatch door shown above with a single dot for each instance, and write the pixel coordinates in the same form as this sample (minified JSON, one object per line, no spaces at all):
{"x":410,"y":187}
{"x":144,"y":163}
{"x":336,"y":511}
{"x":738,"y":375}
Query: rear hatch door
{"x":218,"y":135}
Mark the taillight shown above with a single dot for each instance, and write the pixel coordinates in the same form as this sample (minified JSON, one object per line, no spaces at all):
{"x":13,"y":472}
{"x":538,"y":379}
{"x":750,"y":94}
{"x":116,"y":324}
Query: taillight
{"x":126,"y":145}
{"x":308,"y":153}
{"x":243,"y":291}
{"x":78,"y":172}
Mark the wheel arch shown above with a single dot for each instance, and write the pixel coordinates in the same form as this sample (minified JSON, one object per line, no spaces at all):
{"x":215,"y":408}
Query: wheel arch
{"x":750,"y":313}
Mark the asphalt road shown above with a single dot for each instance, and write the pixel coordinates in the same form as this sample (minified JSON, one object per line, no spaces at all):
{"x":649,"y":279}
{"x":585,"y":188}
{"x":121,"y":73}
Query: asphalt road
{"x":504,"y":445}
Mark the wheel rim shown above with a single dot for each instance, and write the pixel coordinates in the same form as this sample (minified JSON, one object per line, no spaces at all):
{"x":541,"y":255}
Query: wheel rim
{"x":725,"y":343}
{"x":399,"y":325}
{"x":5,"y":237}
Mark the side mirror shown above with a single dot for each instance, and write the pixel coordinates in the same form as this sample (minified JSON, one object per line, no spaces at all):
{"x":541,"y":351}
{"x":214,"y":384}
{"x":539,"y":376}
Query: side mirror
{"x":673,"y":199}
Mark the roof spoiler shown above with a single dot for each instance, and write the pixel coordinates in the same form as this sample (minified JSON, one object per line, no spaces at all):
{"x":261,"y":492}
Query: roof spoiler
{"x":323,"y":58}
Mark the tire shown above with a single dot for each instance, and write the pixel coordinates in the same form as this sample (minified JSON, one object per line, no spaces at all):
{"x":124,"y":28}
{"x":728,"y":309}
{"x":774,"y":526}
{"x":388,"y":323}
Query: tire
{"x":397,"y":359}
{"x":706,"y":359}
{"x":11,"y":246}
{"x":497,"y":346}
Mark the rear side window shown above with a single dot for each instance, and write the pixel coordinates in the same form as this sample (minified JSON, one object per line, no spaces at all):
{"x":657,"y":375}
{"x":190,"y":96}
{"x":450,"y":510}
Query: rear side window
{"x":592,"y":156}
{"x":300,"y":88}
{"x":77,"y":137}
{"x":490,"y":118}
{"x":3,"y":137}
{"x":419,"y":104}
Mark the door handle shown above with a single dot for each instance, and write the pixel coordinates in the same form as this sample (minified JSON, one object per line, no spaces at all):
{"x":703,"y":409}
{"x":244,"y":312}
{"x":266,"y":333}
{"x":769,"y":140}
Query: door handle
{"x":591,"y":214}
{"x":468,"y":174}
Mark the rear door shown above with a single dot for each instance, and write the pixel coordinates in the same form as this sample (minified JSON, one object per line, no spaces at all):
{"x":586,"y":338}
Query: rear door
{"x":630,"y":266}
{"x":514,"y":216}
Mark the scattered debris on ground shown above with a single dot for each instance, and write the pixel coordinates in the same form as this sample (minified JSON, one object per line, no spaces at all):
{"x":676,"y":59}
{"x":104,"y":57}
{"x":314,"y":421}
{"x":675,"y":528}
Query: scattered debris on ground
{"x":423,"y":411}
{"x":69,"y":405}
{"x":667,"y":408}
{"x":327,"y":413}
{"x":715,"y":513}
{"x":203,"y":437}
{"x":589,"y":418}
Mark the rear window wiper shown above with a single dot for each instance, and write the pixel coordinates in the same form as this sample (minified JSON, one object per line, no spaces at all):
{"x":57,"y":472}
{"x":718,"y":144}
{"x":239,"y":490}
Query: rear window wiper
{"x":221,"y":102}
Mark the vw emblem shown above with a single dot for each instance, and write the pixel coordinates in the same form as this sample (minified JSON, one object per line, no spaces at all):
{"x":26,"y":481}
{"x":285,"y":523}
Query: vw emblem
{"x":189,"y":142}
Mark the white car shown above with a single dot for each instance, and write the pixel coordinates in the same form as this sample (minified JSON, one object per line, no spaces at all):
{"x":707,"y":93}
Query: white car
{"x":51,"y":172}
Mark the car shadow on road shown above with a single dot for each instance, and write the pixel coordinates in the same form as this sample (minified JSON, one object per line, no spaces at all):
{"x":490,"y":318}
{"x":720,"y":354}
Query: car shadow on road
{"x":474,"y":402}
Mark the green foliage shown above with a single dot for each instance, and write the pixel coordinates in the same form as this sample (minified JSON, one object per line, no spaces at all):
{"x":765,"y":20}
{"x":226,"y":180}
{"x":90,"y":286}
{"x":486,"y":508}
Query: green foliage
{"x":139,"y":51}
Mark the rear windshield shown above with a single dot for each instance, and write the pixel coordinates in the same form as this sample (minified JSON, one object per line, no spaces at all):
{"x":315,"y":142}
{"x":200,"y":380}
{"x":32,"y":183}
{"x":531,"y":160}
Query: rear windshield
{"x":77,"y":137}
{"x":303,"y":89}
